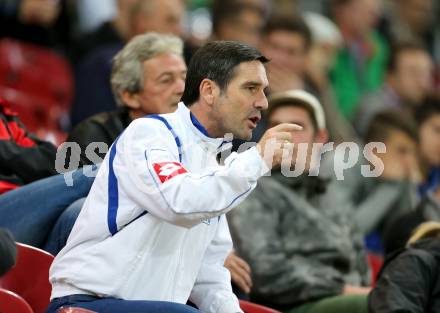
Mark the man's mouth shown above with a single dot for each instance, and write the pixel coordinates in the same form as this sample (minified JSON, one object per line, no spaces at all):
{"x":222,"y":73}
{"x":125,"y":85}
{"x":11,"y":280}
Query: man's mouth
{"x":254,"y":121}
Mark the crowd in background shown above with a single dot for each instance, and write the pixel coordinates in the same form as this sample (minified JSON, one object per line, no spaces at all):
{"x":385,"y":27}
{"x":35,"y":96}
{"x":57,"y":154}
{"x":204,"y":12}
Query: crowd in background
{"x":374,"y":66}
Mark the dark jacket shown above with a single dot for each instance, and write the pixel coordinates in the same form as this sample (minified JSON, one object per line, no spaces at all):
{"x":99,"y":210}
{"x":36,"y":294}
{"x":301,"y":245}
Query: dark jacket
{"x":409,"y":281}
{"x":103,"y":127}
{"x":23,"y":157}
{"x":8,"y":251}
{"x":299,"y":239}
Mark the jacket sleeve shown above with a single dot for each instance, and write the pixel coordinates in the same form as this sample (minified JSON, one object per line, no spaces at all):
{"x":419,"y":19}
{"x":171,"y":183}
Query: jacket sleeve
{"x":372,"y":206}
{"x":158,"y":182}
{"x":25,"y":155}
{"x":8,"y":251}
{"x":281,"y":279}
{"x":379,"y":203}
{"x":212,"y":291}
{"x":404,"y":286}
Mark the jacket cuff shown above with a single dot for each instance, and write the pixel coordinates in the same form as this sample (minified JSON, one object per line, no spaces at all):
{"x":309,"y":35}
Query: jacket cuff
{"x":230,"y":306}
{"x":253,"y":166}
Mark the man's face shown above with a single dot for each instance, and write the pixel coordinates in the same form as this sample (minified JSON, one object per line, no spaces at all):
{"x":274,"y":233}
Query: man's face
{"x":165,"y":17}
{"x":300,"y":116}
{"x":246,"y":28}
{"x":360,"y":16}
{"x":412,"y":78}
{"x":401,"y":158}
{"x":237,"y":109}
{"x":164,"y":82}
{"x":429,"y":136}
{"x":286,"y":50}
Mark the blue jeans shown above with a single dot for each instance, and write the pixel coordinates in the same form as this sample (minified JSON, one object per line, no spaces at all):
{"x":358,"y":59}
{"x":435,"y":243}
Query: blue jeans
{"x":113,"y":305}
{"x":60,"y":232}
{"x":30,"y":211}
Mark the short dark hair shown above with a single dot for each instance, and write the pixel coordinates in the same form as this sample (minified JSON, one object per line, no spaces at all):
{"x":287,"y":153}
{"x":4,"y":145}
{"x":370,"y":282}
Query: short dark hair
{"x":399,"y":48}
{"x":217,"y":61}
{"x":387,"y":121}
{"x":291,"y":23}
{"x":429,"y":107}
{"x":228,"y":10}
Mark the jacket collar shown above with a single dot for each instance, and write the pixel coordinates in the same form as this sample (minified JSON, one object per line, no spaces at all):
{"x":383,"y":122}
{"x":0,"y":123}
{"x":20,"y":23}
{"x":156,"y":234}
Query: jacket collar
{"x":214,"y":144}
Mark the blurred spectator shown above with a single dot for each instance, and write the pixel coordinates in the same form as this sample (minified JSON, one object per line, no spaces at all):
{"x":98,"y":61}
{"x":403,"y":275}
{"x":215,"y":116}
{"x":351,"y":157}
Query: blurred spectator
{"x":43,"y":22}
{"x":408,"y":79}
{"x":240,"y":20}
{"x":413,"y":20}
{"x":428,"y":119}
{"x":148,"y":77}
{"x":326,"y":40}
{"x":133,"y":17}
{"x":297,"y":233}
{"x":23,"y":157}
{"x":111,"y":32}
{"x":380,"y":200}
{"x":91,"y":14}
{"x":8,"y":251}
{"x":360,"y":65}
{"x":409,"y":281}
{"x":286,"y":42}
{"x":93,"y":90}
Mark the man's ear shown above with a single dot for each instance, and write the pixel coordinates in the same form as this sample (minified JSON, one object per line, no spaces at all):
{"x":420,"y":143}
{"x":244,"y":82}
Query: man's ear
{"x":131,"y":100}
{"x":321,"y":136}
{"x":209,"y":91}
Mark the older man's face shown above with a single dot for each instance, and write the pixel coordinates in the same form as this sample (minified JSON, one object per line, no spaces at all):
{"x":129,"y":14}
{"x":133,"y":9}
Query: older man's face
{"x":237,"y":109}
{"x":164,"y":82}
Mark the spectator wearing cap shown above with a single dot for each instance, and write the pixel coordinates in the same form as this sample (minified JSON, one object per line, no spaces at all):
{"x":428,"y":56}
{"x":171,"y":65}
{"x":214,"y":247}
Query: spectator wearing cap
{"x":297,"y":233}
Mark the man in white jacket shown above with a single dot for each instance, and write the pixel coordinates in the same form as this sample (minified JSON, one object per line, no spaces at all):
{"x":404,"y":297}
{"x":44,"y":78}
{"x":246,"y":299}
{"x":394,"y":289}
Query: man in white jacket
{"x":153,"y":233}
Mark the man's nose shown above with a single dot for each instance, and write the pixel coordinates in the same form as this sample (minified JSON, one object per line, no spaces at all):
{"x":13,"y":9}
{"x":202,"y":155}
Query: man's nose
{"x":262,"y":103}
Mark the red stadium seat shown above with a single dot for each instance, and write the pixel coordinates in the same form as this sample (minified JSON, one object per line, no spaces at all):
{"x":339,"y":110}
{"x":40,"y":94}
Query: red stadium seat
{"x":29,"y":277}
{"x":10,"y":302}
{"x":249,"y":307}
{"x":37,"y":82}
{"x":74,"y":310}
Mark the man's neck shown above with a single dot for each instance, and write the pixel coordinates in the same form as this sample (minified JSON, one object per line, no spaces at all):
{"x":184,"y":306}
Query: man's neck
{"x":203,"y":118}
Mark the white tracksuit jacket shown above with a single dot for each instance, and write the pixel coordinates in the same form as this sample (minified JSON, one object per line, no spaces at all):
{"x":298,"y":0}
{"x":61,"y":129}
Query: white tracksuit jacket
{"x":153,"y":226}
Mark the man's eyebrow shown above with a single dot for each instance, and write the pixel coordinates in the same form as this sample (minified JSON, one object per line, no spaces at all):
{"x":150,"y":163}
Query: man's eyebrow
{"x":170,"y":74}
{"x":253,"y":83}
